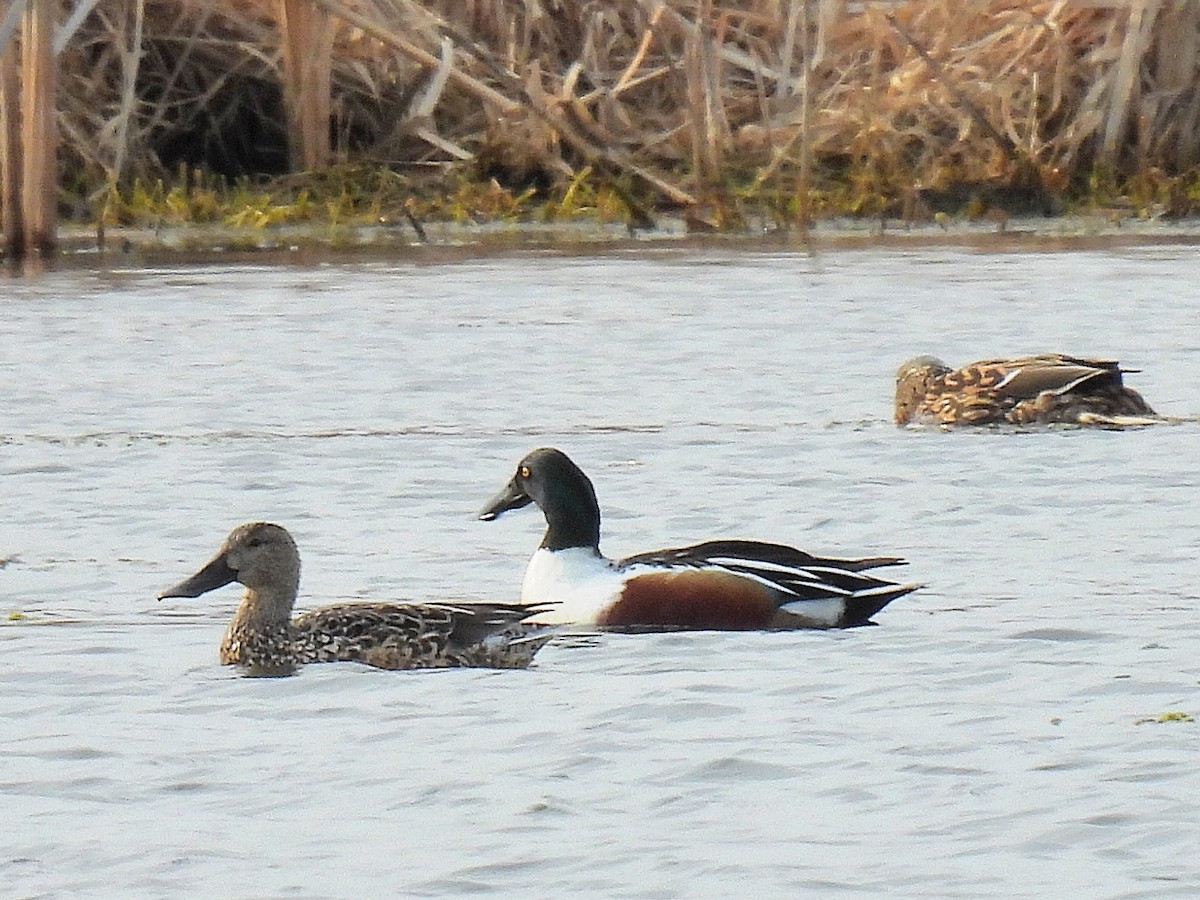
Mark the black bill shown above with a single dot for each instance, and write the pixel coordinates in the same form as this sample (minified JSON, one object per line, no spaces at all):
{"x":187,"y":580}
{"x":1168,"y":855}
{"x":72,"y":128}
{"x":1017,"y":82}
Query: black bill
{"x":512,"y":497}
{"x":215,"y":574}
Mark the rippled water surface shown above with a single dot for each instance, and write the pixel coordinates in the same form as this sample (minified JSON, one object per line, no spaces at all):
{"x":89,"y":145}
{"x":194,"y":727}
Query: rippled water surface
{"x":988,"y":738}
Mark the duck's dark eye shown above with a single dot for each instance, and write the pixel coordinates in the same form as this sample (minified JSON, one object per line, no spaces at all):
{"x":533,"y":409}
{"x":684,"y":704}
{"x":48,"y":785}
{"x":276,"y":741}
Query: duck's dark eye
{"x":524,"y":473}
{"x":256,"y":542}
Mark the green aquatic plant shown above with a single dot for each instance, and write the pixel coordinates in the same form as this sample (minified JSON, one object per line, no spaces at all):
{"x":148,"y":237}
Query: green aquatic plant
{"x":587,"y":196}
{"x":1149,"y":192}
{"x":349,"y":197}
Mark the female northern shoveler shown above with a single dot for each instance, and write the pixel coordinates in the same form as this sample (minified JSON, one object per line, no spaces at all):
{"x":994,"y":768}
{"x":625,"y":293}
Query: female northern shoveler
{"x":263,"y":635}
{"x":1027,"y":390}
{"x":716,"y":585}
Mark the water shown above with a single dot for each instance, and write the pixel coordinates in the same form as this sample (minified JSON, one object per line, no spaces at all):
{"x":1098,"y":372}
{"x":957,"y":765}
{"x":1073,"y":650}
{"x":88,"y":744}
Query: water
{"x":987,"y":739}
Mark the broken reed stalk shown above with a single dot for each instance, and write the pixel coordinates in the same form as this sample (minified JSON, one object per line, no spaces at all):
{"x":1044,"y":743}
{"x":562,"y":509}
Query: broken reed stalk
{"x":417,"y":54}
{"x":10,"y":155}
{"x":307,"y":39}
{"x":39,"y":139}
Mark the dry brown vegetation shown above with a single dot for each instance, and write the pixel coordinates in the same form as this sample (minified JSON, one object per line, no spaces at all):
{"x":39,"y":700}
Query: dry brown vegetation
{"x":858,"y":106}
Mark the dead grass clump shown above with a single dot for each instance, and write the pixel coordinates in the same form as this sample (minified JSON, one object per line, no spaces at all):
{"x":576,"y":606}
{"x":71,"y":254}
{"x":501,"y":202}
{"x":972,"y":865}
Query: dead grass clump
{"x":863,"y":106}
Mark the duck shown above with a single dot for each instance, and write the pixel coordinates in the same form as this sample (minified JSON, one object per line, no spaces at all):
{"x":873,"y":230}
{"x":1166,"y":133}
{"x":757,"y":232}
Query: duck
{"x":264,"y":638}
{"x":727,"y":585}
{"x":1051,"y":388}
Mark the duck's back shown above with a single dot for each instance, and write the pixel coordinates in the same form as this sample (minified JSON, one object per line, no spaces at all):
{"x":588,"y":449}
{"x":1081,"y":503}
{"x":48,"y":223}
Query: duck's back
{"x":417,"y":635}
{"x":1046,"y":388}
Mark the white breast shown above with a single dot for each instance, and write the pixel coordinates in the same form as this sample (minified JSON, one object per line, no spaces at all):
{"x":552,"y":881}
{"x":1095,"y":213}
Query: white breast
{"x":581,"y":583}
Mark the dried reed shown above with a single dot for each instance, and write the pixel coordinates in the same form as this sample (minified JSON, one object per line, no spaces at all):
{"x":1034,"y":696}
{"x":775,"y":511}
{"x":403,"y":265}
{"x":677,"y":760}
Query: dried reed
{"x":11,"y":221}
{"x":38,"y":175}
{"x":684,"y":97}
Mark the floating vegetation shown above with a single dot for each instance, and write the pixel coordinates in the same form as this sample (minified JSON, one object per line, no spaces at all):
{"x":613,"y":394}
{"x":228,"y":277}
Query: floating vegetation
{"x":1161,"y":718}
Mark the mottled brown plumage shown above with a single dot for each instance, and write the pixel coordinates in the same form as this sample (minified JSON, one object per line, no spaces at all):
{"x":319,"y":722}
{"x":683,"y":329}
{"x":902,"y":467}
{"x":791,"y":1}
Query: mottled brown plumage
{"x":1047,"y":389}
{"x":265,"y":638}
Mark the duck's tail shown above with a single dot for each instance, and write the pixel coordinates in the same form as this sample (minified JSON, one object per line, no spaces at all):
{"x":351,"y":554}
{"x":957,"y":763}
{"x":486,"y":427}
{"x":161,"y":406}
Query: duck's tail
{"x":515,"y":646}
{"x":860,"y":607}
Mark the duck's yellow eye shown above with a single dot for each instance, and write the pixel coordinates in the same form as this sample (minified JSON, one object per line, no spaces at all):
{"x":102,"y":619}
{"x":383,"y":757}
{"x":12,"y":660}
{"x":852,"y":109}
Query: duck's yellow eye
{"x":524,"y":471}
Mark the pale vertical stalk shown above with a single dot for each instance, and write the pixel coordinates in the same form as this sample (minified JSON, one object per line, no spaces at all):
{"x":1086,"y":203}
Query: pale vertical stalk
{"x":695,"y":96}
{"x":716,"y":127}
{"x":39,"y":138}
{"x":704,"y":97}
{"x":805,"y":186}
{"x":131,"y":56}
{"x":307,"y":38}
{"x":784,"y":89}
{"x":699,"y":88}
{"x":1125,"y":83}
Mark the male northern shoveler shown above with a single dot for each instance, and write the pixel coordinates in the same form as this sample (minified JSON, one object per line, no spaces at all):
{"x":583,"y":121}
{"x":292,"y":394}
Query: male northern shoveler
{"x":726,"y":584}
{"x":1047,"y":389}
{"x":263,"y":636}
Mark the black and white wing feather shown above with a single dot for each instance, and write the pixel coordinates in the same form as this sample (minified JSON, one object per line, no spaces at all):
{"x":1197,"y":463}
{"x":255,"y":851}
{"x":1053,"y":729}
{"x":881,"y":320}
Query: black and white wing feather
{"x":802,"y":576}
